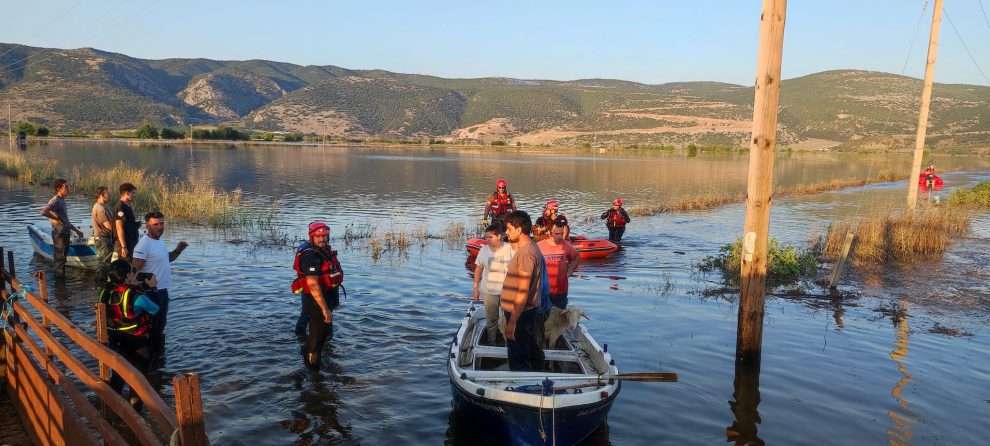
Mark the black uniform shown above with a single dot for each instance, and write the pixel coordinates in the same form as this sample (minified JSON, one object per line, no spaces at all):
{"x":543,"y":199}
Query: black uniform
{"x":123,"y":212}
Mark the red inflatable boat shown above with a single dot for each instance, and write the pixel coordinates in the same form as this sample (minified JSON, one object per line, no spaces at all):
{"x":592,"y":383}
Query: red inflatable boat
{"x":922,"y":184}
{"x":587,"y":248}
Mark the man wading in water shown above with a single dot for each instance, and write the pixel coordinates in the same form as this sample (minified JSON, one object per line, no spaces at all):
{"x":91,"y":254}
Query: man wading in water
{"x":59,"y":217}
{"x":319,"y":276}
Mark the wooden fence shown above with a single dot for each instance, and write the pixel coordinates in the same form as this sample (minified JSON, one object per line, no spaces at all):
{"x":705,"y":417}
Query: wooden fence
{"x":36,"y":368}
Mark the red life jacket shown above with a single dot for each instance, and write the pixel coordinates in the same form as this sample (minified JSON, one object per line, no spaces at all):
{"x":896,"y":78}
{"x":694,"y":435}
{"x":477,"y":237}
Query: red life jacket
{"x":120,"y":310}
{"x":331,"y":274}
{"x":501,"y":204}
{"x":615,"y":219}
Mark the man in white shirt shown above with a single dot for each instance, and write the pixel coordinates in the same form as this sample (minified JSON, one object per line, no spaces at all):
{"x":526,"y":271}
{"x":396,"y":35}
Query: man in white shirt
{"x":151,"y":256}
{"x":491,"y":266}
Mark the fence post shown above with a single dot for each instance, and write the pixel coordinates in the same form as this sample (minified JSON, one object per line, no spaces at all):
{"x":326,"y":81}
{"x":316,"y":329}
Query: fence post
{"x":43,"y":294}
{"x":3,"y":283}
{"x":189,"y":410}
{"x":103,"y":338}
{"x":10,"y":261}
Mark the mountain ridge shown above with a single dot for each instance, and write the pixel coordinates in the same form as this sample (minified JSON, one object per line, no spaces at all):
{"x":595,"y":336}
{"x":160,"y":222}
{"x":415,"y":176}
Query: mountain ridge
{"x":91,"y":89}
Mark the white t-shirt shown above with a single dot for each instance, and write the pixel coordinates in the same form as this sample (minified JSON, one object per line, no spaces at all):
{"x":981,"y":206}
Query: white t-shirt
{"x":496,"y":266}
{"x":155,"y":257}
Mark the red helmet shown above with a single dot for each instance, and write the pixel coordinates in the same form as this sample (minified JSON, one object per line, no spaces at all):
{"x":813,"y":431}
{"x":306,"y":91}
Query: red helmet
{"x":318,"y":228}
{"x":617,"y":201}
{"x":552,"y":204}
{"x":500,"y":183}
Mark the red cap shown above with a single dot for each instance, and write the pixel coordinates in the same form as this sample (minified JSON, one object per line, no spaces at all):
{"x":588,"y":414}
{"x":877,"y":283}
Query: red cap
{"x":318,"y":228}
{"x":617,"y":201}
{"x":552,"y":204}
{"x":500,"y":182}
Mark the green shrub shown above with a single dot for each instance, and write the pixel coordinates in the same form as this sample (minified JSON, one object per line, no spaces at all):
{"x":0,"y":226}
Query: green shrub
{"x":168,"y":133}
{"x":41,"y":131}
{"x":785,"y":263}
{"x":293,"y":137}
{"x":978,"y":196}
{"x":146,"y":131}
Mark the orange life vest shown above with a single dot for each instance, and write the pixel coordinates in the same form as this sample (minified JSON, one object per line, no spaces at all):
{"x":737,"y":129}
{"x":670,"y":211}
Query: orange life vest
{"x":331,"y":274}
{"x":501,"y":204}
{"x":120,"y":310}
{"x":615,"y":219}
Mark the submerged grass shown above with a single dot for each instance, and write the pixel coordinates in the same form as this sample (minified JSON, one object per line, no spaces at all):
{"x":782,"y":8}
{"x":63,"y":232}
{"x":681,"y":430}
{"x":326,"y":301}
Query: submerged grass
{"x":710,"y":200}
{"x":899,"y":236}
{"x":194,"y":203}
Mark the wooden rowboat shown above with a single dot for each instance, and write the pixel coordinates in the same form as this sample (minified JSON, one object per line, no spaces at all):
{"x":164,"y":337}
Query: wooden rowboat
{"x":82,"y":251}
{"x":558,"y":406}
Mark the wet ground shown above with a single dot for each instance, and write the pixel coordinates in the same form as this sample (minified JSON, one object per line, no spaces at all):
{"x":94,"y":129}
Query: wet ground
{"x":901,"y":355}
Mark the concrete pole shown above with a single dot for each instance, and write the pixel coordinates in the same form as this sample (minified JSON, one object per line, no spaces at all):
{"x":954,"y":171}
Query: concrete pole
{"x":926,"y":99}
{"x":749,"y":336}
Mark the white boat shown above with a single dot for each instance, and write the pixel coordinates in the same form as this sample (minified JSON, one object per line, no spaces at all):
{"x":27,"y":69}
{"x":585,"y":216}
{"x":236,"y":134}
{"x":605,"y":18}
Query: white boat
{"x":559,"y":406}
{"x":82,"y":250}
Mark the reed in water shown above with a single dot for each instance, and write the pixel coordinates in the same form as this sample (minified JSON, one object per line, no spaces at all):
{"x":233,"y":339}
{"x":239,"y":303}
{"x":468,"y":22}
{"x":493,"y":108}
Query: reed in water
{"x":184,"y":202}
{"x":890,"y":234}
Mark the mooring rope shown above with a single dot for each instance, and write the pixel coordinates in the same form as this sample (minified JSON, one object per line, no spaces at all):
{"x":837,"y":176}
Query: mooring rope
{"x":8,"y":305}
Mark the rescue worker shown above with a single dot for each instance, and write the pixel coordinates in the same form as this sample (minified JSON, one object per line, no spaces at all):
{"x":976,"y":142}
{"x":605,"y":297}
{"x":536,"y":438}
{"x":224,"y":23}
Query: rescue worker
{"x":930,"y":177}
{"x":499,"y":203}
{"x":125,"y":223}
{"x":58,"y":216}
{"x":129,"y":323}
{"x":318,"y":279}
{"x":551,"y":217}
{"x":616,"y":219}
{"x":102,"y":232}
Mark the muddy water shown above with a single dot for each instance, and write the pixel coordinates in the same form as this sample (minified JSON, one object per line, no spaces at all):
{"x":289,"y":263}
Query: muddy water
{"x":900,"y":356}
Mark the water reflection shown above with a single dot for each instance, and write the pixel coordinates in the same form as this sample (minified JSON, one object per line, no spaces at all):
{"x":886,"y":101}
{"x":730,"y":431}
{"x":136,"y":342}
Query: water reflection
{"x":460,"y":432}
{"x":744,"y":406}
{"x":900,"y":433}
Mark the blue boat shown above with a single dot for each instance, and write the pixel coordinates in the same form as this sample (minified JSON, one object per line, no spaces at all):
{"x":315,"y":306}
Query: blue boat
{"x":82,"y":250}
{"x":560,"y":406}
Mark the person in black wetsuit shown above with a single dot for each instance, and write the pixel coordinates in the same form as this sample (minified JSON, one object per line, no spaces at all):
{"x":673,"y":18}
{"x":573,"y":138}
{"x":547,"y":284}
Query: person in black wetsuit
{"x":616,"y":219}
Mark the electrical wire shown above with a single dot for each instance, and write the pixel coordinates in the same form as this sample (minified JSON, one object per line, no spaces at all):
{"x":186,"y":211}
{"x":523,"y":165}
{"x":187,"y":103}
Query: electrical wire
{"x":966,"y":47}
{"x":46,"y":27}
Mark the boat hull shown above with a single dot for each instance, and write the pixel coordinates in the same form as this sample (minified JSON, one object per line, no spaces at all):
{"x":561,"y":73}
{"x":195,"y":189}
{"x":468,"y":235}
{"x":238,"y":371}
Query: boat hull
{"x":82,"y":253}
{"x":508,"y":423}
{"x":937,"y":182}
{"x":586,"y":248}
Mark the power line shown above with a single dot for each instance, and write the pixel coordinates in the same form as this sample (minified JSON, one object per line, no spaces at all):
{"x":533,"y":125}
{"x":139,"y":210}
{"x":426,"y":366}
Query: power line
{"x":984,"y":11}
{"x":49,"y":26}
{"x":965,"y":47}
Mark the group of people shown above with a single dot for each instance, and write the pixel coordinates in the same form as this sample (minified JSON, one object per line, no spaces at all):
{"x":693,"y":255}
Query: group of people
{"x":134,"y":272}
{"x":510,"y":272}
{"x":500,"y":203}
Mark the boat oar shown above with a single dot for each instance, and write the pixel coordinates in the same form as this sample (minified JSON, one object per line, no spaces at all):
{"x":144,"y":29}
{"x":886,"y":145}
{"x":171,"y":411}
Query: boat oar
{"x":651,"y":377}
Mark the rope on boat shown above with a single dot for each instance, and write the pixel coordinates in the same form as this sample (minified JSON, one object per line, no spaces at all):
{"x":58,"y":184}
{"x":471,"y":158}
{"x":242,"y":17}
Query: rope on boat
{"x":8,"y":305}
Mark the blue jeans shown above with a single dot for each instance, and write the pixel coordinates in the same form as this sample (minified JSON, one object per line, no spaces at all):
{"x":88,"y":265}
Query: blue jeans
{"x":524,"y":353}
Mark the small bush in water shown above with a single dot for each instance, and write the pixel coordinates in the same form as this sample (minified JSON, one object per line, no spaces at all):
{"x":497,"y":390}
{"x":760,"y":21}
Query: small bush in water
{"x":785,"y":263}
{"x":978,"y":196}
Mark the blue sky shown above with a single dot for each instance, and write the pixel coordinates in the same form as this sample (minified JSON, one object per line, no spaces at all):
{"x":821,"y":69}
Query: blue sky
{"x":644,"y":41}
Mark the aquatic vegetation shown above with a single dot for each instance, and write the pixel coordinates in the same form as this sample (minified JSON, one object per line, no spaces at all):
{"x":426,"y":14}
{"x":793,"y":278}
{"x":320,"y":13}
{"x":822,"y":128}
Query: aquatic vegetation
{"x":976,"y":197}
{"x":712,"y":199}
{"x":785,"y":263}
{"x":194,"y":203}
{"x":894,"y":235}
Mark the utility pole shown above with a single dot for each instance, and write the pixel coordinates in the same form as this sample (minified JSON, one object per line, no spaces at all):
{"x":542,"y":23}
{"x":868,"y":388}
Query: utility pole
{"x":926,"y":99}
{"x":10,"y":127}
{"x":749,"y":335}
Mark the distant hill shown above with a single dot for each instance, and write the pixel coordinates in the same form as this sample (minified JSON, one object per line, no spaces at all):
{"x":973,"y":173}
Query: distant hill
{"x":90,"y":89}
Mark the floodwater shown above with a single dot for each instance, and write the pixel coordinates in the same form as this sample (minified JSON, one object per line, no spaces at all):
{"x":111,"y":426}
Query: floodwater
{"x":900,"y":356}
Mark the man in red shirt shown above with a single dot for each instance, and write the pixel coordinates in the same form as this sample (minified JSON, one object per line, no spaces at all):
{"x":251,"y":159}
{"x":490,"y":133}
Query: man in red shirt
{"x":562,"y":259}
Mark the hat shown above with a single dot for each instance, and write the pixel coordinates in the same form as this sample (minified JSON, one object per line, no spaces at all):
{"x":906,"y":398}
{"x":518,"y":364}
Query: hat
{"x":318,"y":228}
{"x":617,"y":201}
{"x":500,"y":182}
{"x":552,"y":204}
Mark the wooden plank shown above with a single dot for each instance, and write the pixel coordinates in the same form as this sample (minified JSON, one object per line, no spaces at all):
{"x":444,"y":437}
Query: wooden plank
{"x":840,"y":265}
{"x":749,"y":335}
{"x":163,"y":415}
{"x":43,"y":294}
{"x":189,"y":410}
{"x":102,"y":390}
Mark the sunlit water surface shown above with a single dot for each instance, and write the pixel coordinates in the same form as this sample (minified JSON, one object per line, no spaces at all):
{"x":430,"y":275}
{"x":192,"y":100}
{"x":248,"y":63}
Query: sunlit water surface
{"x":869,"y":365}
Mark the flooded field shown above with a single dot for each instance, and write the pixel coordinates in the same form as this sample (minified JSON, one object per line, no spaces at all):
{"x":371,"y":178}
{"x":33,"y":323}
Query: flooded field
{"x":899,"y":356}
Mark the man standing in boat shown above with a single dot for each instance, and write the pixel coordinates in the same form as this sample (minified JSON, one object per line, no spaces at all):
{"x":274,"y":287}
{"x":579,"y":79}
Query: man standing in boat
{"x":490,"y":269}
{"x":151,"y":256}
{"x":124,"y":222}
{"x":499,"y":203}
{"x":550,"y":218}
{"x":102,"y":232}
{"x":616,"y":219}
{"x":58,"y":216}
{"x":520,"y":298}
{"x":561,"y":259}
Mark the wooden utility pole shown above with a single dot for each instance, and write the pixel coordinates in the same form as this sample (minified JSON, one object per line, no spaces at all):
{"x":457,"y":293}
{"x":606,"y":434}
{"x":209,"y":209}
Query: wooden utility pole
{"x":749,"y":336}
{"x":926,"y":99}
